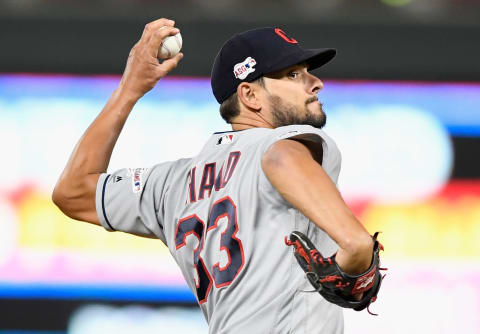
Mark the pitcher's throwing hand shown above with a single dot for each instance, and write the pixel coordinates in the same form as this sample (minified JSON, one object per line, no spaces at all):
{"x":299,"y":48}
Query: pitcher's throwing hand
{"x":143,"y":68}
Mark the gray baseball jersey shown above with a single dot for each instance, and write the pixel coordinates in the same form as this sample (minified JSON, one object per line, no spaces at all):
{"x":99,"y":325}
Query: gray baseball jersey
{"x":225,"y":225}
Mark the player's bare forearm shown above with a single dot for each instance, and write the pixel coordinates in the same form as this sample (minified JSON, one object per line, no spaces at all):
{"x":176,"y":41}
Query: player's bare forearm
{"x":74,"y":193}
{"x":90,"y":158}
{"x":291,"y":169}
{"x":94,"y":149}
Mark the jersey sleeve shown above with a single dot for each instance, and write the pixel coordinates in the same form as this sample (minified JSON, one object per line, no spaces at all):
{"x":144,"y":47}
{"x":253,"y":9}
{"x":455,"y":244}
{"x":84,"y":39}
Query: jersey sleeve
{"x":305,"y":132}
{"x":131,"y":200}
{"x":331,"y":161}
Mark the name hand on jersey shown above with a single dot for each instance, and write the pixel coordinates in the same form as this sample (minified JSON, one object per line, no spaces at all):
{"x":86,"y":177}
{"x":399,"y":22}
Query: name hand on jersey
{"x":209,"y":179}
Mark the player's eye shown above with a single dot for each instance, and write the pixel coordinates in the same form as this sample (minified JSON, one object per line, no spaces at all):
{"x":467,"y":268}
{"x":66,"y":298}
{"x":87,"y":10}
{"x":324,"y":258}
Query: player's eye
{"x":293,"y":74}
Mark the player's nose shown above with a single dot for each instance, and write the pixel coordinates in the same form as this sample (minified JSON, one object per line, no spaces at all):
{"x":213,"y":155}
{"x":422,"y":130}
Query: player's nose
{"x":315,"y":84}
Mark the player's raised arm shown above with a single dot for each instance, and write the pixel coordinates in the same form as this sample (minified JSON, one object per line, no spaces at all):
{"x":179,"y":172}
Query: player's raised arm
{"x":74,"y":192}
{"x":292,"y":170}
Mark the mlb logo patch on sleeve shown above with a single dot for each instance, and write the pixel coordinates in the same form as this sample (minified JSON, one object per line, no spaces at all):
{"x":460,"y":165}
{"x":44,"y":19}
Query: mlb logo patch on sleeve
{"x":137,"y":175}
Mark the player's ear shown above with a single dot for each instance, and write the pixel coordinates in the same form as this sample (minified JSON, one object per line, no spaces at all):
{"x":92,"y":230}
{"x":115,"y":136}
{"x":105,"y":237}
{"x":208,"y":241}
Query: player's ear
{"x":249,"y":95}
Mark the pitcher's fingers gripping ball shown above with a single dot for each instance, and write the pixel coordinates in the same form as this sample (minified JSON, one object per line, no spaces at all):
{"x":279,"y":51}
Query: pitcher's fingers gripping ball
{"x":166,"y":35}
{"x":143,"y":69}
{"x":170,"y":46}
{"x":330,"y":281}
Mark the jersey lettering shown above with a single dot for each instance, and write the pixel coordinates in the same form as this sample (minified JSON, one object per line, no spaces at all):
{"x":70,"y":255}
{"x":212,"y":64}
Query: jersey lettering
{"x":232,"y":163}
{"x":191,"y":185}
{"x":209,"y":181}
{"x":219,"y":180}
{"x":222,"y":276}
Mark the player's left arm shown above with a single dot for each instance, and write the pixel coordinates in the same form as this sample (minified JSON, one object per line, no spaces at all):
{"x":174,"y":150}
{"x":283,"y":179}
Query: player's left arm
{"x":293,"y":170}
{"x":75,"y":190}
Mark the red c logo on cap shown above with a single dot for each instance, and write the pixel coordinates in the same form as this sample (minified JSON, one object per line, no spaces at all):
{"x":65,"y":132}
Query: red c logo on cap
{"x":282,"y":34}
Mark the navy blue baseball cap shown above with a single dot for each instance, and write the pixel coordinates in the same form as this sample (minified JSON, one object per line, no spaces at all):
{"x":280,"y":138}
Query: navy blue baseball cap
{"x":249,"y":55}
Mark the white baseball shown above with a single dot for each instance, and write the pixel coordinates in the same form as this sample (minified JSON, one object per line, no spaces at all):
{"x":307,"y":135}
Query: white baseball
{"x":170,"y":46}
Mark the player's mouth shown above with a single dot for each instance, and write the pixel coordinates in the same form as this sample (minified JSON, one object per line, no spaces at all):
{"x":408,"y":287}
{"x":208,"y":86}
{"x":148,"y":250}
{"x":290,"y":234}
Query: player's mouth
{"x":314,"y":100}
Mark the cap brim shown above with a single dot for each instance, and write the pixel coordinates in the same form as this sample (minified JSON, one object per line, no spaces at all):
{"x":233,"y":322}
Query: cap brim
{"x":315,"y":58}
{"x":319,"y":57}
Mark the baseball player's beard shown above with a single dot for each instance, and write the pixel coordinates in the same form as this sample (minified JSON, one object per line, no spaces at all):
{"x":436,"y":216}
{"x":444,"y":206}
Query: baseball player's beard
{"x":285,"y":113}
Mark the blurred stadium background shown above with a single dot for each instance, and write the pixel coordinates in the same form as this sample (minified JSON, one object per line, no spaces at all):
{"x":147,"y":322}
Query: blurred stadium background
{"x":403,"y":103}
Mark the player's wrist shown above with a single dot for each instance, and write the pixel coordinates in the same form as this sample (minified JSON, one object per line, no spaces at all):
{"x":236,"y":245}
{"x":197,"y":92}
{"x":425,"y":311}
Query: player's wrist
{"x":355,"y":261}
{"x":127,"y":94}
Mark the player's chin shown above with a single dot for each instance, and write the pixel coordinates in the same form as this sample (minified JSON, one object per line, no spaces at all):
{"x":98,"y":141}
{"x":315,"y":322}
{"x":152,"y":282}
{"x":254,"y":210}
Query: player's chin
{"x":316,"y":117}
{"x":315,"y":108}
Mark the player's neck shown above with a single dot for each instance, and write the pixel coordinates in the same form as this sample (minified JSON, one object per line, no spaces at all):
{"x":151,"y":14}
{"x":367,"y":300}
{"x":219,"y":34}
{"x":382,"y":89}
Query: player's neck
{"x":242,"y":123}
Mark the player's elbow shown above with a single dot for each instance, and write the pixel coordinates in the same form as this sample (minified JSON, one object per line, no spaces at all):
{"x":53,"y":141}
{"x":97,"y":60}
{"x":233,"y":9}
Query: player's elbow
{"x":59,"y":195}
{"x":57,"y":198}
{"x":75,"y":200}
{"x":64,"y":199}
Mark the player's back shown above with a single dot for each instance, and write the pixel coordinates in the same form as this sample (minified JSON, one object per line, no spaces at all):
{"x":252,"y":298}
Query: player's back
{"x":225,"y":225}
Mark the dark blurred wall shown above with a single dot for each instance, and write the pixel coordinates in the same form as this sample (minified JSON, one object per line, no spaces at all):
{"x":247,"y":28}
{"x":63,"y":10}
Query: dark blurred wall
{"x":374,"y":41}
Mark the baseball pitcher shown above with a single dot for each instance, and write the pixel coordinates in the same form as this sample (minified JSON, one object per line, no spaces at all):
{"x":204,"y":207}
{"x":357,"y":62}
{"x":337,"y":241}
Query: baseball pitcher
{"x":230,"y":214}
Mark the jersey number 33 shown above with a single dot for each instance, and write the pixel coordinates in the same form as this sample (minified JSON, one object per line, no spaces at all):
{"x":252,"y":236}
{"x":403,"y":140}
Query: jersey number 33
{"x":222,"y":276}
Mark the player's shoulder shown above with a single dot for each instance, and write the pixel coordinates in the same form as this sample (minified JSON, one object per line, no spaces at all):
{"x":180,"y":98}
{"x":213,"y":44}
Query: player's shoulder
{"x":289,"y":131}
{"x":259,"y":139}
{"x":303,"y":132}
{"x":255,"y":134}
{"x":319,"y":140}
